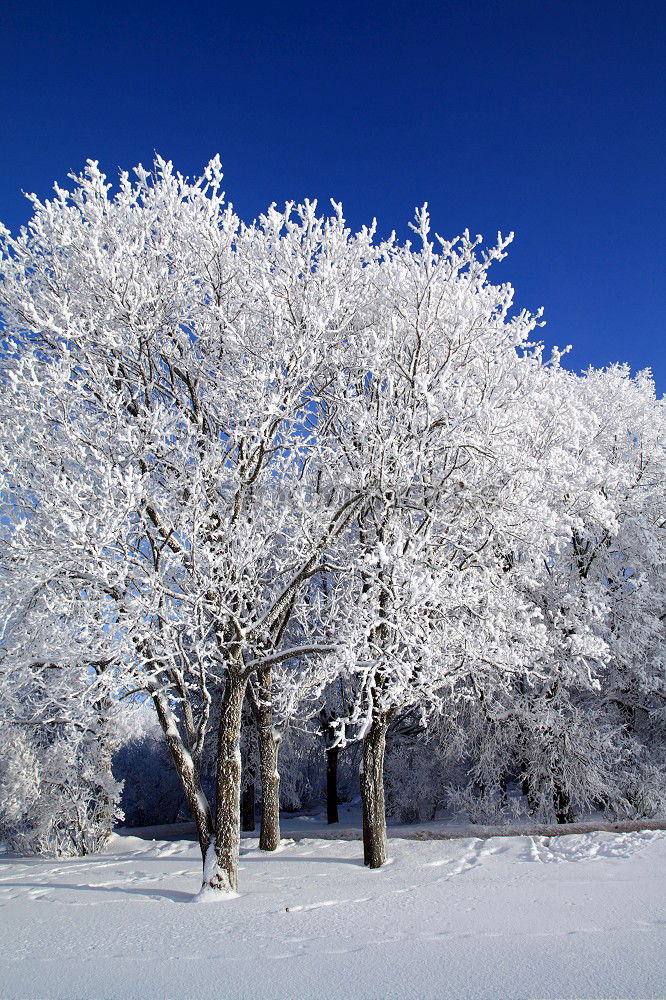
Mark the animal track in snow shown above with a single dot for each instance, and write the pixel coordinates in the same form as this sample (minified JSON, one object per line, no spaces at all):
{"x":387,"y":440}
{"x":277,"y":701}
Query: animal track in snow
{"x":583,"y":847}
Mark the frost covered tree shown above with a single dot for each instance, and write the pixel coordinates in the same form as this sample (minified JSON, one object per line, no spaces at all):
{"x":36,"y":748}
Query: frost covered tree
{"x":432,"y":431}
{"x":566,"y":728}
{"x":602,"y":597}
{"x":164,"y":367}
{"x":59,"y":727}
{"x":246,"y":460}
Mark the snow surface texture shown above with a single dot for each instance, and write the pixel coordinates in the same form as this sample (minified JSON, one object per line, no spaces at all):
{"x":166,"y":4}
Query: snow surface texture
{"x":527,"y":916}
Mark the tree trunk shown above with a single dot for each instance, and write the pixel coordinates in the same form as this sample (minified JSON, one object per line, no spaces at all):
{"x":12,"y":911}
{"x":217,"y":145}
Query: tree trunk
{"x":504,"y":790}
{"x":188,"y":773}
{"x":375,"y":847}
{"x":528,"y":791}
{"x":332,"y":784}
{"x":269,"y":836}
{"x":247,"y":808}
{"x":249,"y":766}
{"x":105,"y":805}
{"x":269,"y":746}
{"x":561,"y":802}
{"x":221,"y":871}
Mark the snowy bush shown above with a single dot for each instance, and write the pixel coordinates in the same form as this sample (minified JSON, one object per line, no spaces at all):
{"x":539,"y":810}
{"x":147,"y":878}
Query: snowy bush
{"x":57,"y":794}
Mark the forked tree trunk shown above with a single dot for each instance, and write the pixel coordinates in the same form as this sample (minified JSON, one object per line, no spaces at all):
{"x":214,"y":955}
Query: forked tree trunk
{"x":221,"y":871}
{"x":188,"y":773}
{"x":332,"y":784}
{"x":375,"y":846}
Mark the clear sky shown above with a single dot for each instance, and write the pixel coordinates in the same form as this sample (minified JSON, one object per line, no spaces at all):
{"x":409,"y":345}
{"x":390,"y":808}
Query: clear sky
{"x":543,"y":118}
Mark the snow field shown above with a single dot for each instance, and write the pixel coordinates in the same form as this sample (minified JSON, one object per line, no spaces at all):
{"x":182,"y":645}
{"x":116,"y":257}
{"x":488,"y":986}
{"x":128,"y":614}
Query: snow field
{"x":580,"y":916}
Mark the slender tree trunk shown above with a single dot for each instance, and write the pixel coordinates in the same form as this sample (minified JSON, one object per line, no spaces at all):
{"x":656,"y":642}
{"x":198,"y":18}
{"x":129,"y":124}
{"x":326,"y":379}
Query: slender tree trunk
{"x":105,"y":806}
{"x":561,"y":802}
{"x":248,"y":822}
{"x":375,"y":845}
{"x":188,"y":773}
{"x":269,"y":836}
{"x":504,"y":790}
{"x":527,"y":789}
{"x":221,"y":871}
{"x":269,"y":746}
{"x":249,"y":764}
{"x":107,"y":747}
{"x":480,"y":788}
{"x":332,"y":784}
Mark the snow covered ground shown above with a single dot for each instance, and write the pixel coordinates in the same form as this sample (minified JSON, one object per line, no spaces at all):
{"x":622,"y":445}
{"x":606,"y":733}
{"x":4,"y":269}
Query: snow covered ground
{"x":526,"y":916}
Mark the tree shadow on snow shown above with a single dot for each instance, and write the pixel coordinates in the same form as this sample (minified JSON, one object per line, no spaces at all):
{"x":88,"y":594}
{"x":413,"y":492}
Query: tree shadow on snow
{"x":175,"y":895}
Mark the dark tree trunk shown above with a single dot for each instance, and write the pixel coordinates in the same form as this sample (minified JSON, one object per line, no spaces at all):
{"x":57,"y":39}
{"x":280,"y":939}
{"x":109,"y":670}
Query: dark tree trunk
{"x":504,"y":790}
{"x":332,"y":784}
{"x":528,"y":792}
{"x":269,"y":745}
{"x":249,"y":760}
{"x":269,"y":836}
{"x":247,"y":808}
{"x":562,"y":803}
{"x":375,"y":847}
{"x":224,"y":874}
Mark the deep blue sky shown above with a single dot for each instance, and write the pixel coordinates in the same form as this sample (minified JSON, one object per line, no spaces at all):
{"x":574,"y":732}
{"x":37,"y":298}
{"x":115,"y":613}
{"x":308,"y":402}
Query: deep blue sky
{"x":538,"y":117}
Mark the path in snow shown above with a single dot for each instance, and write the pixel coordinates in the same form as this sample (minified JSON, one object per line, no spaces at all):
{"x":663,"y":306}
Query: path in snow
{"x":531,"y":916}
